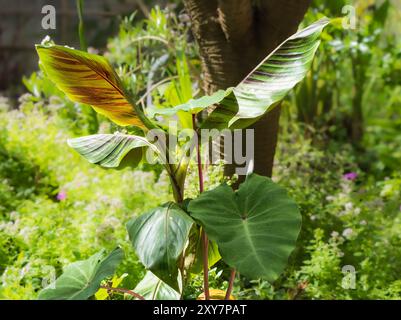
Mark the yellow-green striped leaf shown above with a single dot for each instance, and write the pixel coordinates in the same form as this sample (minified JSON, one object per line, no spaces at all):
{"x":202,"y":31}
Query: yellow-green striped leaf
{"x":108,"y":150}
{"x":89,"y":79}
{"x":270,"y":81}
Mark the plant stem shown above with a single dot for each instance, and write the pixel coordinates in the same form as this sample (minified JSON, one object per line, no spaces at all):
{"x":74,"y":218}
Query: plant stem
{"x":230,"y":284}
{"x":177,"y":191}
{"x":199,"y":161}
{"x":205,"y":251}
{"x":84,"y":47}
{"x":132,"y":293}
{"x":204,"y":239}
{"x":81,"y":28}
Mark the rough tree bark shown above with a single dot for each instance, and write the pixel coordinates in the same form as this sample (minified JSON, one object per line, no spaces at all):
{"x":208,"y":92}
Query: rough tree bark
{"x":233,"y":37}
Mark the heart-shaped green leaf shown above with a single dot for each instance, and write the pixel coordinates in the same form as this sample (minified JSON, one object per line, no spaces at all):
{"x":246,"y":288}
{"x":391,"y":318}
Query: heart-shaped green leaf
{"x":255,"y":228}
{"x":80,"y":280}
{"x":108,"y":150}
{"x":159,"y":237}
{"x":270,"y":81}
{"x":152,"y":288}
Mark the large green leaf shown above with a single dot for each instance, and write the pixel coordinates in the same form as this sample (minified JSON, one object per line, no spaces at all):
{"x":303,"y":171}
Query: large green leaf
{"x":255,"y":228}
{"x":152,"y":288}
{"x":270,"y":81}
{"x":159,"y":237}
{"x":80,"y":280}
{"x":108,"y":150}
{"x":89,"y":79}
{"x":195,"y":254}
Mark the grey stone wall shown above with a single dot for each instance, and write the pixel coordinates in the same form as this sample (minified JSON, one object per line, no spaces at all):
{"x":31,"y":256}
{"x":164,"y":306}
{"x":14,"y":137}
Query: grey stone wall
{"x":21,"y":29}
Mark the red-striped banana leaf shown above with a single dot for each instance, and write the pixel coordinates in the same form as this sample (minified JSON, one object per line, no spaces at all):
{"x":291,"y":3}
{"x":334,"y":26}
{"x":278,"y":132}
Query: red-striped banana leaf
{"x":270,"y":81}
{"x":89,"y":79}
{"x":109,"y":150}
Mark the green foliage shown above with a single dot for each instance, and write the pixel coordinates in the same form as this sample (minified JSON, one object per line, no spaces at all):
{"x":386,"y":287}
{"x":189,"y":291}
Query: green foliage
{"x":352,"y":92}
{"x":39,"y":166}
{"x":81,"y":27}
{"x":194,"y":106}
{"x":345,"y":222}
{"x":158,"y":47}
{"x":74,"y":116}
{"x":21,"y":179}
{"x":255,"y":228}
{"x":9,"y":249}
{"x":270,"y":81}
{"x":159,"y":238}
{"x":89,"y":79}
{"x":217,"y":281}
{"x":152,"y":288}
{"x":195,"y":254}
{"x":321,"y":273}
{"x":80,"y":280}
{"x":109,"y":150}
{"x":48,"y":194}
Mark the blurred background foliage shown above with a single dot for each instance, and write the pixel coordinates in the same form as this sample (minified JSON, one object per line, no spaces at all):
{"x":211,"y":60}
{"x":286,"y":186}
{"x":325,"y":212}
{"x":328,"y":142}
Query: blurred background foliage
{"x":339,"y":155}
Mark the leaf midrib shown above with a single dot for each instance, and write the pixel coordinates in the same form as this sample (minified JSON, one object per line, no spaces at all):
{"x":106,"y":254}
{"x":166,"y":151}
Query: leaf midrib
{"x":99,"y":74}
{"x":248,"y":237}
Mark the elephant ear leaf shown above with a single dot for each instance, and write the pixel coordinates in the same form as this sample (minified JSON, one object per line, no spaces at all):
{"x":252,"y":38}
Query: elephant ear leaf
{"x":255,"y":227}
{"x":270,"y":81}
{"x":81,"y":280}
{"x":109,"y":150}
{"x":89,"y":79}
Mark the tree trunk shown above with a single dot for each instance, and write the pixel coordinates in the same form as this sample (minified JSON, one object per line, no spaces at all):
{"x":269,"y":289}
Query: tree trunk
{"x":234,"y":36}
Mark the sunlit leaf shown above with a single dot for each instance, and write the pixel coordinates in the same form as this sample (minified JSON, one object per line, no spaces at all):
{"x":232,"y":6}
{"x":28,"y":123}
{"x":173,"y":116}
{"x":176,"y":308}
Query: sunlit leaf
{"x":89,"y":79}
{"x":195,"y":256}
{"x":270,"y":81}
{"x":215,"y":294}
{"x":80,"y":280}
{"x":184,"y":77}
{"x":193,"y":106}
{"x":103,"y":294}
{"x":108,"y":150}
{"x":152,"y":288}
{"x":159,"y":237}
